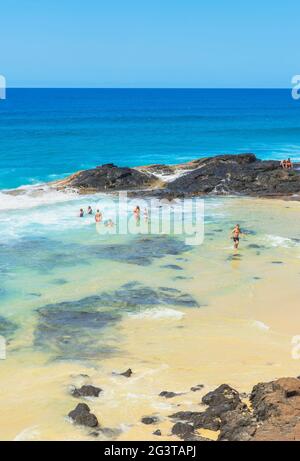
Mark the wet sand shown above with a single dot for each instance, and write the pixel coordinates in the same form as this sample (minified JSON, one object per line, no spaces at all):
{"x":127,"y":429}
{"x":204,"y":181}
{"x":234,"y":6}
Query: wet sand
{"x":240,"y":334}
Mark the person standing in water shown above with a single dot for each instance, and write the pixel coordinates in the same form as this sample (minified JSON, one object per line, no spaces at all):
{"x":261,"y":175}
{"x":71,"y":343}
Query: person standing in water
{"x":236,"y":232}
{"x":89,"y":210}
{"x":98,"y":216}
{"x":137,"y":213}
{"x":81,"y":213}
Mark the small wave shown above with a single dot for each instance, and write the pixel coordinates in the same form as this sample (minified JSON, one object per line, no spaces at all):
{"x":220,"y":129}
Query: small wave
{"x":29,"y":433}
{"x":278,"y":241}
{"x":158,"y":313}
{"x":33,"y":196}
{"x":261,"y":325}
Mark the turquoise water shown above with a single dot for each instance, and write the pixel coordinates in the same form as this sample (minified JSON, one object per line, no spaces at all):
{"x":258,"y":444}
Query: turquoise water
{"x":49,"y":256}
{"x":49,"y":133}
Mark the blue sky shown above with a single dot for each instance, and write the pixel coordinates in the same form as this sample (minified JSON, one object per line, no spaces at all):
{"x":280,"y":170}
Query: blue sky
{"x":149,"y":43}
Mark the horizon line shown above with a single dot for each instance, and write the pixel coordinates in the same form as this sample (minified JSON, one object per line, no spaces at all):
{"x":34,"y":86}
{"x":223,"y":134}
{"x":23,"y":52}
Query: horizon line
{"x":139,"y":88}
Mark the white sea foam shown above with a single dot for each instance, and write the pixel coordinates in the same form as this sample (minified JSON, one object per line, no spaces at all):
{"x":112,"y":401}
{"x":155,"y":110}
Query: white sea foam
{"x":261,"y":325}
{"x":34,"y":196}
{"x":29,"y":433}
{"x":158,"y":313}
{"x":278,"y":241}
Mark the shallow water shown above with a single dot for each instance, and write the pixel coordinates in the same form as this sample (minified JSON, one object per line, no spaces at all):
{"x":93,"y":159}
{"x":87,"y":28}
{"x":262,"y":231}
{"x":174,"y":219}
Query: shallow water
{"x":76,"y":302}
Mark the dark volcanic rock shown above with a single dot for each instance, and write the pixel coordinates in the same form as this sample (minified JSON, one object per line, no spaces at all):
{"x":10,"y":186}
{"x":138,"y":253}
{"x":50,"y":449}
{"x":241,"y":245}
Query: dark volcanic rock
{"x":223,"y":398}
{"x":208,"y":419}
{"x":149,"y":420}
{"x":168,"y":395}
{"x":157,"y":432}
{"x":237,"y":425}
{"x":182,"y":429}
{"x":241,"y":174}
{"x":223,"y":174}
{"x":86,"y":391}
{"x":109,"y":177}
{"x":127,"y":373}
{"x":83,"y":416}
{"x":274,"y":416}
{"x":198,"y":387}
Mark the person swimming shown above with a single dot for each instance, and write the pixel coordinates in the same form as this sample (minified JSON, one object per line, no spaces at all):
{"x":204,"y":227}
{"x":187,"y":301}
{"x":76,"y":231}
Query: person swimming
{"x":236,"y":235}
{"x":98,"y":216}
{"x":81,"y":213}
{"x":109,"y":223}
{"x":89,"y":210}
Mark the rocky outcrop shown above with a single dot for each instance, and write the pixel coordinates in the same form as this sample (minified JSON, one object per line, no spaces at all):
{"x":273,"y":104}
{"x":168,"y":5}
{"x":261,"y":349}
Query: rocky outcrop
{"x":108,"y":178}
{"x":241,"y":174}
{"x":276,"y":407}
{"x":237,"y":174}
{"x":273,"y":413}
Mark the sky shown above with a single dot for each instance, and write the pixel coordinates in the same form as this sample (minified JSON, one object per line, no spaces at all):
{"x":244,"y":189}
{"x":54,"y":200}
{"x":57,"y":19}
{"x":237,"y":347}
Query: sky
{"x":150,"y":43}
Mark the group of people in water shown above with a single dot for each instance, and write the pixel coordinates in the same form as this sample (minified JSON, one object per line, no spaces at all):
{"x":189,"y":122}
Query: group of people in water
{"x":109,"y":222}
{"x":98,"y":216}
{"x":236,"y":232}
{"x":286,"y":164}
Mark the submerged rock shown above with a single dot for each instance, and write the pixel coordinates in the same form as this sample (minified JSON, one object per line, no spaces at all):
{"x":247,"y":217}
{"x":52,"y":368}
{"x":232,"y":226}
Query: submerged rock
{"x":174,"y":267}
{"x":86,"y":391}
{"x":7,"y":327}
{"x":82,"y":415}
{"x":71,"y":328}
{"x":142,"y":251}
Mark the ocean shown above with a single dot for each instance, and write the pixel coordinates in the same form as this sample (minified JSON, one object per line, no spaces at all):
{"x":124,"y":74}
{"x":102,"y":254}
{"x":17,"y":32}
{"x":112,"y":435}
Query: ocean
{"x":46,"y":134}
{"x":79,"y":306}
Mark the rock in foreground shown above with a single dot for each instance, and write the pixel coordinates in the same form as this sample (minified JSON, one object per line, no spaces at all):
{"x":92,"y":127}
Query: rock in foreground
{"x":82,"y":415}
{"x":274,"y":414}
{"x":86,"y":391}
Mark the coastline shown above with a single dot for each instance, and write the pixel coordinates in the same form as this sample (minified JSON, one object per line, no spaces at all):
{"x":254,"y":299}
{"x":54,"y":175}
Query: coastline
{"x":238,"y":335}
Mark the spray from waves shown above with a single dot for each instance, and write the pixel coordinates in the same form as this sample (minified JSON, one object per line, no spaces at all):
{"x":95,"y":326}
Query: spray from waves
{"x":33,"y":196}
{"x":158,"y":313}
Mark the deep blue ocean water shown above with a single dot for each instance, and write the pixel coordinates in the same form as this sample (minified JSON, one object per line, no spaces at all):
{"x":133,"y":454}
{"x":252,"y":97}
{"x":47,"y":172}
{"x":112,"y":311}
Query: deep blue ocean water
{"x":48,"y":133}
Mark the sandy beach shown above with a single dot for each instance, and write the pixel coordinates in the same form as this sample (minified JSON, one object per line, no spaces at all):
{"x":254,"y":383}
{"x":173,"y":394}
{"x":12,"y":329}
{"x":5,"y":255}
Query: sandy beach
{"x":239,"y":333}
